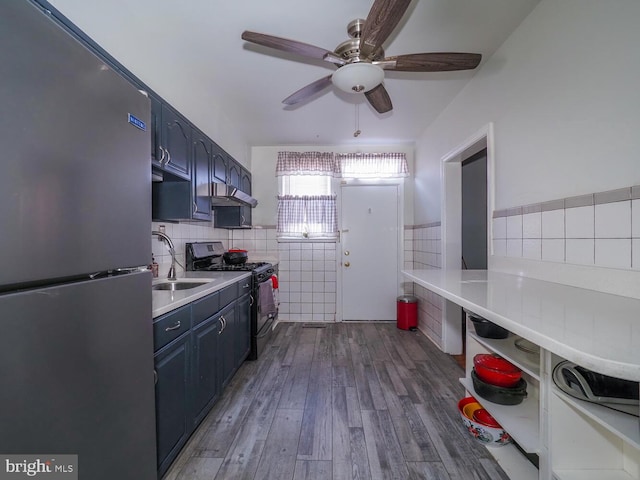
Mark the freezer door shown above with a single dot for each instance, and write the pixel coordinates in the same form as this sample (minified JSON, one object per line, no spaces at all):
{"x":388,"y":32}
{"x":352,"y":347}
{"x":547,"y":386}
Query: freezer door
{"x":75,"y":189}
{"x":77,"y":376}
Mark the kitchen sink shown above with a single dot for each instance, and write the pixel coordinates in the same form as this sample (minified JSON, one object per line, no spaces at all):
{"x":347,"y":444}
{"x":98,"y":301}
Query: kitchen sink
{"x":178,"y":285}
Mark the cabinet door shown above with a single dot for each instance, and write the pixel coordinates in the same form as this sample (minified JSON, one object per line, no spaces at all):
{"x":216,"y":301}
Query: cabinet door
{"x":173,"y":425}
{"x":218,"y":165}
{"x":157,"y":155}
{"x":206,"y":385}
{"x":227,"y":344}
{"x":243,"y":331}
{"x":235,"y":173}
{"x":176,"y":140}
{"x":201,"y":177}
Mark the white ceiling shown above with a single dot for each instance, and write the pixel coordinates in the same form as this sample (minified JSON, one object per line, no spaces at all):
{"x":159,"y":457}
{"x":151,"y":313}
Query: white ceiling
{"x":191,"y":53}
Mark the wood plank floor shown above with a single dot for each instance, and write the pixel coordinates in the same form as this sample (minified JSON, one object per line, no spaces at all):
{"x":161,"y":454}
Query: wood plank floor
{"x":346,"y":401}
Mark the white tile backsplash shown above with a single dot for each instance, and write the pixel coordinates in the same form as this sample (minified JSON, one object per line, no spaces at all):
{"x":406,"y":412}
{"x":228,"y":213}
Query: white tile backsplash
{"x":635,"y":219}
{"x":553,"y":224}
{"x":603,"y":234}
{"x":532,"y":225}
{"x":514,"y":247}
{"x":514,"y":227}
{"x":580,"y":251}
{"x":579,"y":222}
{"x":553,"y":249}
{"x":500,"y":227}
{"x":532,"y":248}
{"x":613,"y":252}
{"x":613,"y":220}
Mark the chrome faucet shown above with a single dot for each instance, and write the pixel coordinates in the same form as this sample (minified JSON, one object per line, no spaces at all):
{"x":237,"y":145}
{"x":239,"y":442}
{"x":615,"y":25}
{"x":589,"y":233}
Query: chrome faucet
{"x":172,"y":251}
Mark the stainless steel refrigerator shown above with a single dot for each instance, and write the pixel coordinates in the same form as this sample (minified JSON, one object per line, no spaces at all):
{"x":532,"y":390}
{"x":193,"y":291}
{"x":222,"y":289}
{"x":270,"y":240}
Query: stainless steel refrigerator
{"x":76,"y":348}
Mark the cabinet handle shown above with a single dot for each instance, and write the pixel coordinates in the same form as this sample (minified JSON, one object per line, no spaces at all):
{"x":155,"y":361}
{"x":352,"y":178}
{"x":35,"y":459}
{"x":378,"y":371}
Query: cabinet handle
{"x":163,"y":154}
{"x":155,"y":377}
{"x":223,"y":324}
{"x":195,"y":208}
{"x":251,"y":300}
{"x":242,"y":220}
{"x":175,"y":327}
{"x":168,"y":157}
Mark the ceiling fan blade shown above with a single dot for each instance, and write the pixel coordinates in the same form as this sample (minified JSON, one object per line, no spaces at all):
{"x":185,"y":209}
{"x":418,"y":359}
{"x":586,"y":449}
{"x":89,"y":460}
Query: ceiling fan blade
{"x":308,"y":91}
{"x":291,"y":46}
{"x":379,"y":99}
{"x":431,"y":62}
{"x":383,"y":17}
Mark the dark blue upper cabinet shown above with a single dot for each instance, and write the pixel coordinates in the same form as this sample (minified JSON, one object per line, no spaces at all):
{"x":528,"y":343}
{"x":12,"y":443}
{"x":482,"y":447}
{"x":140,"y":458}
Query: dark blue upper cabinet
{"x":175,"y":143}
{"x":201,"y":176}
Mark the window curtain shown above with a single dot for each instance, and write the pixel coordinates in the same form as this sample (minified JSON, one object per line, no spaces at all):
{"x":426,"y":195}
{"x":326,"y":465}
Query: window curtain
{"x":373,"y":165}
{"x":311,"y":215}
{"x":307,"y":163}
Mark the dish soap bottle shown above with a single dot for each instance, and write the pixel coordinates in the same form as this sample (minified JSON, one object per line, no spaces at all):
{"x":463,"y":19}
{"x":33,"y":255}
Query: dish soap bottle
{"x":154,"y":267}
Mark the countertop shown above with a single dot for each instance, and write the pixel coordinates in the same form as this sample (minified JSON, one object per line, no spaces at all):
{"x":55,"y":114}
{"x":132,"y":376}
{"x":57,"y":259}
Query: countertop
{"x":164,"y":301}
{"x":599,"y":331}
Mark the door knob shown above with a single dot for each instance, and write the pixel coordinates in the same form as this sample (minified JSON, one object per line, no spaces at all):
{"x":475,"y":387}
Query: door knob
{"x":347,"y":264}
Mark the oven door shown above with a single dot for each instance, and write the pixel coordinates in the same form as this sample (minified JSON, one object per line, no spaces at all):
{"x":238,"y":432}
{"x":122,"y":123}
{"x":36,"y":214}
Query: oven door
{"x":267,"y":308}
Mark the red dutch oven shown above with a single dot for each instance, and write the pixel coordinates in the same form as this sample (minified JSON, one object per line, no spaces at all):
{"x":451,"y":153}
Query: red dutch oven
{"x":495,"y":370}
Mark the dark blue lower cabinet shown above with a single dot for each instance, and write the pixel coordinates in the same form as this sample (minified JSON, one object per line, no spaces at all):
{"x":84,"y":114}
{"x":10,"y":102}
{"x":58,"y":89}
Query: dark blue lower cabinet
{"x":173,"y":425}
{"x":193,"y":369}
{"x":206,"y":383}
{"x":227,"y":341}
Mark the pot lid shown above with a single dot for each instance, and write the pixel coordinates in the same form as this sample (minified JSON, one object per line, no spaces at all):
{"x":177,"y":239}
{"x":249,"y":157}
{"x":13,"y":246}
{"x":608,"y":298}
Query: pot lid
{"x":494,"y":362}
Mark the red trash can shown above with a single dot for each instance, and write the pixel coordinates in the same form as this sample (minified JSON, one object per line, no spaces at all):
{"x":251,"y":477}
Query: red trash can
{"x":407,"y":306}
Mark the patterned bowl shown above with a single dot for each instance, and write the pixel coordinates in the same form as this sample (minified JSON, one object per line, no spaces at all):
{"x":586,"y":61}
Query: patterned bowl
{"x":489,"y":436}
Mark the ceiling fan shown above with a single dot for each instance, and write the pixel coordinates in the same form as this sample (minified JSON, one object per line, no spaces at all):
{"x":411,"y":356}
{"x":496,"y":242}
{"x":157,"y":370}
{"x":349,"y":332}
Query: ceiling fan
{"x":361,"y":61}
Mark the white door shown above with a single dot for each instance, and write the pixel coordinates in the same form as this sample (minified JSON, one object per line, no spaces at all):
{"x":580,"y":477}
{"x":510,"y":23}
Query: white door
{"x":369,"y":251}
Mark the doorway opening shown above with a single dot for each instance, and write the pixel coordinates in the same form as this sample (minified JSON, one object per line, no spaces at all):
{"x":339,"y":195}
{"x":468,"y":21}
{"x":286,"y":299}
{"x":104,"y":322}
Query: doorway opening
{"x":474,"y":225}
{"x":452,"y":222}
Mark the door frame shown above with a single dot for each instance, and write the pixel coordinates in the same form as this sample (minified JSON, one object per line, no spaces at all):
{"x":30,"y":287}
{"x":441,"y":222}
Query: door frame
{"x":451,"y":214}
{"x":354,"y":182}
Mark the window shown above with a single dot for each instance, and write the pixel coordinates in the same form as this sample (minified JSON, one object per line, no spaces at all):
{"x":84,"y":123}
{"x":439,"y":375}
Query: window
{"x":306,"y":204}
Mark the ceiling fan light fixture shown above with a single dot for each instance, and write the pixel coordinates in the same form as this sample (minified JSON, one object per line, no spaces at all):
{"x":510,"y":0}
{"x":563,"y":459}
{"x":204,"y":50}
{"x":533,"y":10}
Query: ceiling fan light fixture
{"x":358,"y":77}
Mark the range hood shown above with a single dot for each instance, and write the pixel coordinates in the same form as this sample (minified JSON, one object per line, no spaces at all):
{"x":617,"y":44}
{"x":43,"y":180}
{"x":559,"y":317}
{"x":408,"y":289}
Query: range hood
{"x":223,"y":195}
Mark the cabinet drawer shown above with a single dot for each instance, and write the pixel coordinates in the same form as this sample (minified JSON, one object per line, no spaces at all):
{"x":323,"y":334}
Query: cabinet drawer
{"x":244,"y":287}
{"x":228,"y":295}
{"x":205,"y":307}
{"x":171,"y":326}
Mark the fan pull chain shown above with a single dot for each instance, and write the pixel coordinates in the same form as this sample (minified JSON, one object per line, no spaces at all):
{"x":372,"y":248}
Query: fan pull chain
{"x":357,"y":121}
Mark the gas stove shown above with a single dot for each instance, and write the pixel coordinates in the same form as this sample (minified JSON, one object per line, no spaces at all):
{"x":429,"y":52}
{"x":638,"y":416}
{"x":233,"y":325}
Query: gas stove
{"x":207,"y":256}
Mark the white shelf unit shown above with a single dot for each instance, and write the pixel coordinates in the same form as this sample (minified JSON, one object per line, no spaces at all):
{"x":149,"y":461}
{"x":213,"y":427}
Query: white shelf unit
{"x":589,"y":441}
{"x":506,"y":348}
{"x":519,"y":421}
{"x":514,"y":463}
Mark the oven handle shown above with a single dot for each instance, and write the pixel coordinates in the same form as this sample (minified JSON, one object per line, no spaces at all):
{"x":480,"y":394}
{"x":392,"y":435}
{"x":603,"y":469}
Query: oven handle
{"x":266,"y":328}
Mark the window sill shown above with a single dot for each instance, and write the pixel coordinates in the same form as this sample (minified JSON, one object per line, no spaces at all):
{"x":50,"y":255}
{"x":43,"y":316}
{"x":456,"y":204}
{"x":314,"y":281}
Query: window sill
{"x":306,"y":240}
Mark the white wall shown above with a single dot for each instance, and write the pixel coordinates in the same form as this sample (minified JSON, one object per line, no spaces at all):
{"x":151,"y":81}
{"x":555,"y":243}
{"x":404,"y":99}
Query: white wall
{"x":265,"y":186}
{"x":563,"y":94}
{"x":137,"y":43}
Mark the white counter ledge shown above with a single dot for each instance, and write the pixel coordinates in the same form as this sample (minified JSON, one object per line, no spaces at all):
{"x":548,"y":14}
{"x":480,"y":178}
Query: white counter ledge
{"x":164,"y":301}
{"x":599,"y":331}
